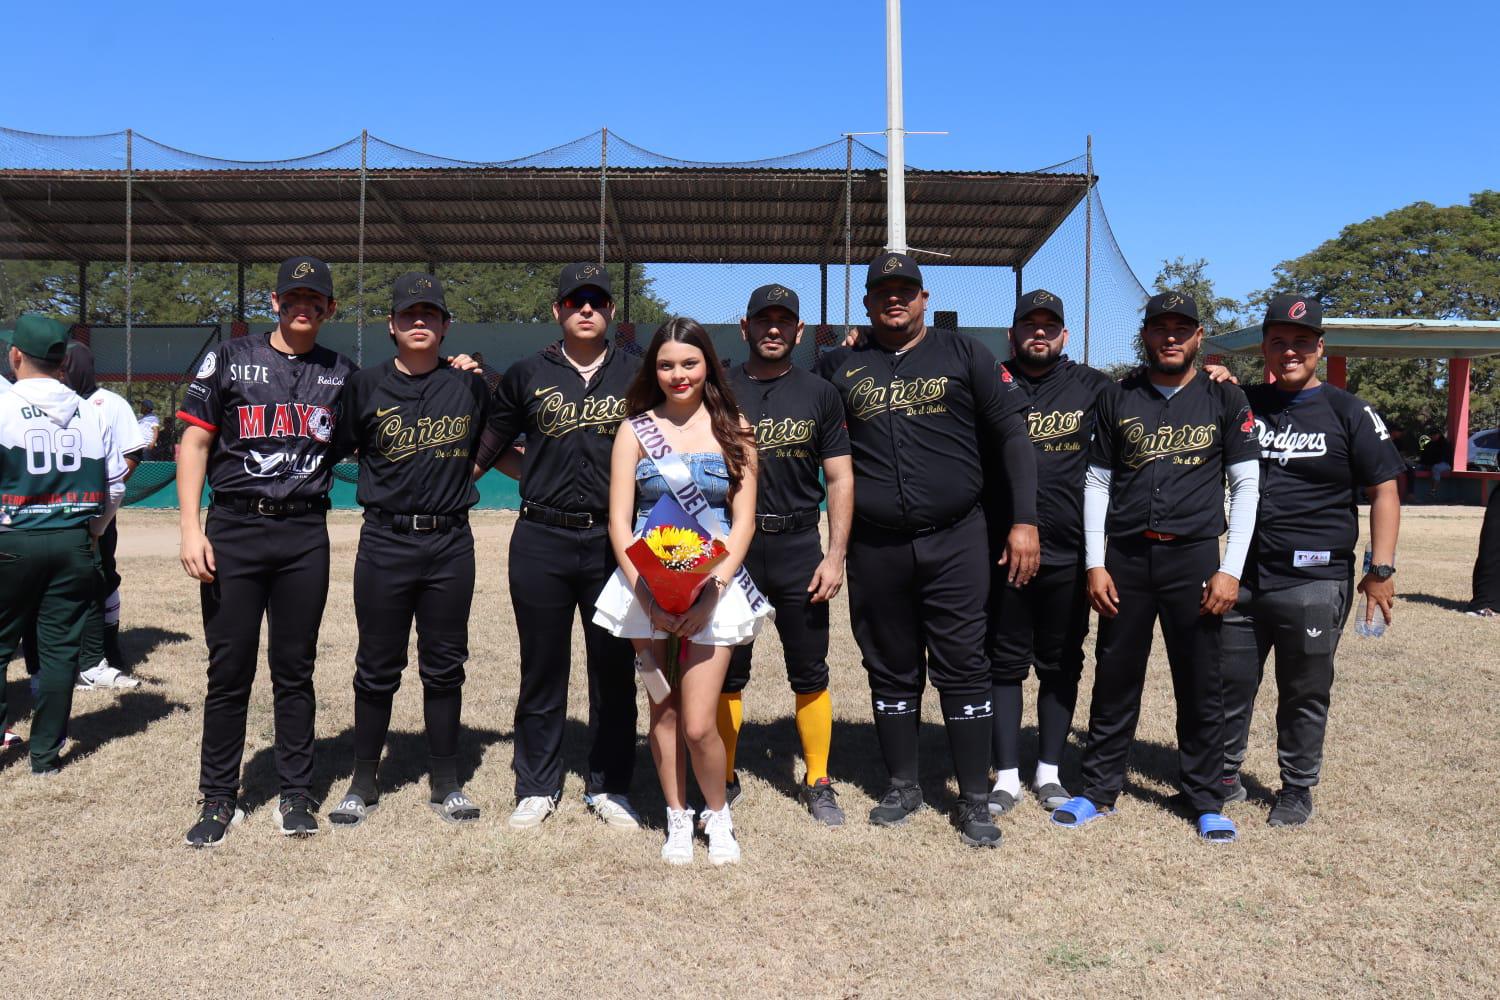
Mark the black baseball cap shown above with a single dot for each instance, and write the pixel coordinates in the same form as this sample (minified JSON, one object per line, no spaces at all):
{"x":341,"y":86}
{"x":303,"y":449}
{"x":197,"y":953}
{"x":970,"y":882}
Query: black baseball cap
{"x":1039,"y":299}
{"x":416,"y":288}
{"x":772,"y":295}
{"x":304,"y":272}
{"x":1173,"y":304}
{"x":576,"y":276}
{"x":893,"y":265}
{"x":1299,"y":310}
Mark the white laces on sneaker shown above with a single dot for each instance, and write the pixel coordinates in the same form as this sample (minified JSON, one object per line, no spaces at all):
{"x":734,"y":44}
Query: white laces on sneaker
{"x":723,"y":848}
{"x":615,"y":810}
{"x":678,"y":850}
{"x":531,"y":810}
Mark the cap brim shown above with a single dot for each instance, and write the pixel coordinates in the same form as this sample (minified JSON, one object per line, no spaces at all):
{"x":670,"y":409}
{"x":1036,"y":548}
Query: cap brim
{"x":1016,"y":319}
{"x":1289,"y":322}
{"x":872,"y":282}
{"x":565,"y":292}
{"x":397,"y":307}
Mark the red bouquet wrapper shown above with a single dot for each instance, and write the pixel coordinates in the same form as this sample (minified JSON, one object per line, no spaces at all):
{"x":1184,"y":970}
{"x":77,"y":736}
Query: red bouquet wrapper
{"x":675,"y":557}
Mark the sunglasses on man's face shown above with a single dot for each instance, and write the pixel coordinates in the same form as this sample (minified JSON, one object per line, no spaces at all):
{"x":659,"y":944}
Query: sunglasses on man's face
{"x":595,"y":300}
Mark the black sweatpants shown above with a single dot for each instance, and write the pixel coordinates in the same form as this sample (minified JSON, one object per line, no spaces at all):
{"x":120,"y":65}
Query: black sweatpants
{"x":399,"y":576}
{"x":276,"y":568}
{"x":1158,"y":580}
{"x":557,"y":573}
{"x":782,"y":565}
{"x":1487,"y":562}
{"x":1302,"y":624}
{"x":917,"y":605}
{"x":1041,"y":625}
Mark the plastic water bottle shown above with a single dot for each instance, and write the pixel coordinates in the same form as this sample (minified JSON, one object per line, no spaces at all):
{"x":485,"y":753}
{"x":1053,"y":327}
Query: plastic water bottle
{"x":1371,"y":621}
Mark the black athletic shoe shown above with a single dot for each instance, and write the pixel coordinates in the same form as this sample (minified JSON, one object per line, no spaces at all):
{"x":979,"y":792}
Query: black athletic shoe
{"x":214,"y":821}
{"x":822,"y":801}
{"x":1293,"y":807}
{"x":1232,"y":788}
{"x":975,"y":827}
{"x":897,"y":804}
{"x":295,"y":815}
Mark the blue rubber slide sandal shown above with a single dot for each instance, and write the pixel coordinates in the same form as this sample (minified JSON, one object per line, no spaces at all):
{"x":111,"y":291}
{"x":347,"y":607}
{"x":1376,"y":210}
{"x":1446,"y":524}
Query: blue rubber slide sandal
{"x":1077,"y":811}
{"x":1216,"y":828}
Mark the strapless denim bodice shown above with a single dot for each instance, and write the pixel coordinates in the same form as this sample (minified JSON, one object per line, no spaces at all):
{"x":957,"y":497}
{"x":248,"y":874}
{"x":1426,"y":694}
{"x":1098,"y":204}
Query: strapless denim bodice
{"x":710,"y":473}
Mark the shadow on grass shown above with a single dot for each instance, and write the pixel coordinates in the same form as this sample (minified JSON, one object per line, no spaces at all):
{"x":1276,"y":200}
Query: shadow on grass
{"x":1446,"y":603}
{"x":403,"y":763}
{"x":140,"y":642}
{"x":126,"y":714}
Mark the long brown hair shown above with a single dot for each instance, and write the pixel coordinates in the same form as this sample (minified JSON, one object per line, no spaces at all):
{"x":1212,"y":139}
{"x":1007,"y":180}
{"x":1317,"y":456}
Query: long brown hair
{"x":723,"y":412}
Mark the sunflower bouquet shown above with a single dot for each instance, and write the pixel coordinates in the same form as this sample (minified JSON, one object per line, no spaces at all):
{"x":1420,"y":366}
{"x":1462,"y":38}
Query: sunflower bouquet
{"x":675,"y":557}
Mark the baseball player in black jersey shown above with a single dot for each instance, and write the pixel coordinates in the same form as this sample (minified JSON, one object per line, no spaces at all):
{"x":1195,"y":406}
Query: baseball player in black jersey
{"x":1318,"y":446}
{"x":799,"y":430}
{"x":416,"y":423}
{"x":1163,"y":445}
{"x":569,"y":400}
{"x":1044,"y":623}
{"x":262,"y":413}
{"x":916,"y":400}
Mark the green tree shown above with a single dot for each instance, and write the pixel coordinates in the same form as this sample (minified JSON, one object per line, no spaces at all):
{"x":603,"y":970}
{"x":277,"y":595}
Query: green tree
{"x":1420,"y":261}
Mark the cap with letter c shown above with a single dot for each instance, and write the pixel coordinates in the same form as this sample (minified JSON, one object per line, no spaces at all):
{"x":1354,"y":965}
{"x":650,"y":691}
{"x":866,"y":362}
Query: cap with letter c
{"x":1172,"y":304}
{"x":418,"y":288}
{"x":304,"y":272}
{"x":1298,"y":310}
{"x":576,"y":276}
{"x":1039,"y":299}
{"x":893,"y":265}
{"x":767,"y":296}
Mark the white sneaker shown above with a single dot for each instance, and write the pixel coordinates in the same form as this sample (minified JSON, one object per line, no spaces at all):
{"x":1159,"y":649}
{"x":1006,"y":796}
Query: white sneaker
{"x":615,"y":810}
{"x":530,"y":812}
{"x":723,"y":849}
{"x":104,"y":676}
{"x":678,"y":850}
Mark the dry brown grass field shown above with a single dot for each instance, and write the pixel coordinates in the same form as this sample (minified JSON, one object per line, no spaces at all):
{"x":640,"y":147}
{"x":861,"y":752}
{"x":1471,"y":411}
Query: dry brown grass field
{"x":1392,"y":890}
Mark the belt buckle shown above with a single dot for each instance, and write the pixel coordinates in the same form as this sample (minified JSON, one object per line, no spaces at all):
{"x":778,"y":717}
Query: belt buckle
{"x":774,"y":524}
{"x":424,"y":522}
{"x":266,"y":507}
{"x":588,"y":519}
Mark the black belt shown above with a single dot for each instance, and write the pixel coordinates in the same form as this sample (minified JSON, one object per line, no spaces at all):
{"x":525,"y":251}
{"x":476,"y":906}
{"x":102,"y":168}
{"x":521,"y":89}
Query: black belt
{"x":926,"y":529}
{"x":784,"y":524}
{"x":417,"y":524}
{"x":561,"y":518}
{"x":266,"y":507}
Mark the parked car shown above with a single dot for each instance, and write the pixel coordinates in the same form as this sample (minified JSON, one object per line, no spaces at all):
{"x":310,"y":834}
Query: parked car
{"x":1484,"y":451}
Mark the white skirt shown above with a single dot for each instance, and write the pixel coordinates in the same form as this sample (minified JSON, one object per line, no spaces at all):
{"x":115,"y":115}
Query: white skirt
{"x":734,"y":624}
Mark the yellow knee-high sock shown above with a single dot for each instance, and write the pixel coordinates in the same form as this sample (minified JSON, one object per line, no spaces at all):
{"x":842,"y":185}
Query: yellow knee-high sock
{"x":815,"y":727}
{"x":731,"y":714}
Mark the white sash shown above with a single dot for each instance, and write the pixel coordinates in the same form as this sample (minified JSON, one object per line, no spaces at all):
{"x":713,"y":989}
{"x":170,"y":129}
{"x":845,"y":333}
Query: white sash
{"x":680,"y":481}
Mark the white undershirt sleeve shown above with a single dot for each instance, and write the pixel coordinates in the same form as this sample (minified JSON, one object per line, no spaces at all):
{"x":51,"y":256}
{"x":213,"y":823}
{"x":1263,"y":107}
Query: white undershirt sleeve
{"x":1095,"y":512}
{"x":1244,"y":498}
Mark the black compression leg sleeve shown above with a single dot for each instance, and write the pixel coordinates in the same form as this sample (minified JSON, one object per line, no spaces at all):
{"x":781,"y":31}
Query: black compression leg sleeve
{"x":364,"y":783}
{"x":441,"y":710}
{"x":443,"y":776}
{"x":1056,"y":699}
{"x":372,"y":719}
{"x":968,"y":726}
{"x":1007,"y":724}
{"x":897,"y":723}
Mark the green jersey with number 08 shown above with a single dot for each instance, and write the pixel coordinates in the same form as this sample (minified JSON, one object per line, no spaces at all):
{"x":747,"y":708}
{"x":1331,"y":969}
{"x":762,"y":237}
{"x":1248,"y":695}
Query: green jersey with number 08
{"x":59,"y":464}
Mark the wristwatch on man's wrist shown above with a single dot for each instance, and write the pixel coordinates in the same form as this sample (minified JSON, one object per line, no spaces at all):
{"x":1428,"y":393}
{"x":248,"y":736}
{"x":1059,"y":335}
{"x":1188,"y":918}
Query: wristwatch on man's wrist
{"x":1383,"y":572}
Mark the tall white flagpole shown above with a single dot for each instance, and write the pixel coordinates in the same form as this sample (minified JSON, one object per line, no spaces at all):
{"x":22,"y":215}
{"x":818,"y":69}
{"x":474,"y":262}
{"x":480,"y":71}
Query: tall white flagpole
{"x":895,"y":132}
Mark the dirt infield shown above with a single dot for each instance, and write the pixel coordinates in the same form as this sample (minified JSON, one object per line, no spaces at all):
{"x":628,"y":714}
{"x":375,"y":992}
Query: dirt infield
{"x":1393,"y":889}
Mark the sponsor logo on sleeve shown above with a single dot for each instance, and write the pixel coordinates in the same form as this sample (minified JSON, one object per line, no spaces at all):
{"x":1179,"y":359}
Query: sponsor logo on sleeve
{"x":209,"y":366}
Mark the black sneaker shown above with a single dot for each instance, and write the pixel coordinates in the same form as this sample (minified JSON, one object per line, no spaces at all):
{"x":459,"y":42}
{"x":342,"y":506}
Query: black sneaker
{"x":897,"y":804}
{"x":295,"y":815}
{"x":1232,"y":788}
{"x":822,"y":801}
{"x":975,"y":827}
{"x":1293,"y":807}
{"x":214,"y":820}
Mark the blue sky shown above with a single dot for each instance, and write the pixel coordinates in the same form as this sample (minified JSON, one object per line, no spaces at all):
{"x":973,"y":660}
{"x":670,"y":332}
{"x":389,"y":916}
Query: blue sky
{"x":1244,"y":133}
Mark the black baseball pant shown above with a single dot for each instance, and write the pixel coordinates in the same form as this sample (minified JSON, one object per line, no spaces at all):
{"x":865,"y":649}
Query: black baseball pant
{"x":1302,"y":624}
{"x":917,"y":605}
{"x":1041,"y":625}
{"x":782,"y":565}
{"x":1487,"y":562}
{"x":398,"y":576}
{"x":1158,"y":580}
{"x":556,"y":573}
{"x":276,"y":568}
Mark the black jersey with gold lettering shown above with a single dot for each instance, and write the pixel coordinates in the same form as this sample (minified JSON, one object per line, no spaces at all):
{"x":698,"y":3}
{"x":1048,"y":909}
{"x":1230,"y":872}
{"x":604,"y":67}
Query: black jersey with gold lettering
{"x":1060,"y":423}
{"x":569,"y":425}
{"x":798,"y":421}
{"x":1168,"y":455}
{"x":416,"y":436}
{"x":273,"y":417}
{"x":914,"y":421}
{"x":1317,"y":448}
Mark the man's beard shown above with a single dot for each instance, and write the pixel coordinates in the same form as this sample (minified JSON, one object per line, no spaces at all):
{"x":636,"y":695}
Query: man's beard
{"x":1039,"y":362}
{"x":786,"y":352}
{"x":1189,"y":355}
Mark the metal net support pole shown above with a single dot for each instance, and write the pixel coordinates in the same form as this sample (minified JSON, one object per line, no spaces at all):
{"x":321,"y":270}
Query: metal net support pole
{"x":83,"y":292}
{"x":1088,"y":243}
{"x":848,"y":219}
{"x":359,"y":328}
{"x":603,"y":172}
{"x":129,"y":253}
